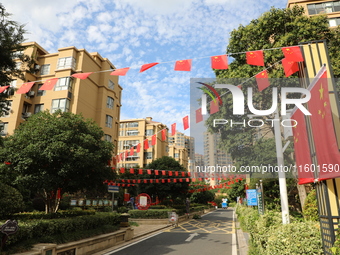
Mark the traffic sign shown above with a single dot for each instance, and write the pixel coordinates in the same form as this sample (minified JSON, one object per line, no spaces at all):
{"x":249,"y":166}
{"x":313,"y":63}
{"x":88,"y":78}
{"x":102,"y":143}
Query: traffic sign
{"x":114,"y":189}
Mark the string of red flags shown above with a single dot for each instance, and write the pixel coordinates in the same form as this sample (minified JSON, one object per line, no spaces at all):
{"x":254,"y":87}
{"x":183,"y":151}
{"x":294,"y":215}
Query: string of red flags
{"x":292,"y":55}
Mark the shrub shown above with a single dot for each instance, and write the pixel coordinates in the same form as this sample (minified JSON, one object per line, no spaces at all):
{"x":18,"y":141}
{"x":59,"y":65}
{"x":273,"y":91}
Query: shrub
{"x":57,"y":215}
{"x":150,"y":214}
{"x":11,"y":201}
{"x":310,"y":209}
{"x":61,"y":230}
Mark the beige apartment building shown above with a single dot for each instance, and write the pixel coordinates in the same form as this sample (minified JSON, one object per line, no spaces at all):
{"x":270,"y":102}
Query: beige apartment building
{"x":316,"y":7}
{"x":182,"y":148}
{"x":135,"y":131}
{"x":97,"y":97}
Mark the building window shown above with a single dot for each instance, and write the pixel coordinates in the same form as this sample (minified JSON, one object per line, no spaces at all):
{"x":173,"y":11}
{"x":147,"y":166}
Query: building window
{"x":149,"y":132}
{"x":176,"y":155}
{"x":17,"y":54}
{"x":132,"y":132}
{"x":64,"y":83}
{"x":45,"y":69}
{"x":40,"y":92}
{"x":3,"y":128}
{"x":109,"y":121}
{"x":69,"y":62}
{"x":63,"y":104}
{"x":38,"y":108}
{"x":111,"y":84}
{"x":109,"y":102}
{"x":148,"y":155}
{"x":334,"y":22}
{"x":108,"y":138}
{"x":132,"y":124}
{"x":321,"y":8}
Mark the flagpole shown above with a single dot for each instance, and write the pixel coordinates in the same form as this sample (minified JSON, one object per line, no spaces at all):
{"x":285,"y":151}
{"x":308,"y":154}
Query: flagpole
{"x":282,"y":175}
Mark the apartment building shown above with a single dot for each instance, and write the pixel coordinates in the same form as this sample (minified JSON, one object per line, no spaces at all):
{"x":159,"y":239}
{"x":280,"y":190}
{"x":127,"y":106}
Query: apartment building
{"x":135,"y":131}
{"x":182,"y":148}
{"x":214,"y":156}
{"x":98,"y":97}
{"x":316,"y":7}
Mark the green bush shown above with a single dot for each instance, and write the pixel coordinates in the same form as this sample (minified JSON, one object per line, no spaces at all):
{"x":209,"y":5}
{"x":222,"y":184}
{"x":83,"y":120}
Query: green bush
{"x":150,"y":214}
{"x":11,"y":201}
{"x":310,"y":209}
{"x":295,"y":238}
{"x":269,"y":236}
{"x":57,"y":215}
{"x":61,"y":230}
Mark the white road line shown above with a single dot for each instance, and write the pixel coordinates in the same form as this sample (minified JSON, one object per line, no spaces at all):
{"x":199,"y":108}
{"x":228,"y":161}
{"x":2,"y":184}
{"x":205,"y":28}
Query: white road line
{"x":233,"y":239}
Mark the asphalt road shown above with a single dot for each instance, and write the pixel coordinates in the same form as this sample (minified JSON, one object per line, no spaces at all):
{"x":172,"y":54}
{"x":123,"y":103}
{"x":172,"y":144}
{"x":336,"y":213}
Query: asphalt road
{"x":214,"y":233}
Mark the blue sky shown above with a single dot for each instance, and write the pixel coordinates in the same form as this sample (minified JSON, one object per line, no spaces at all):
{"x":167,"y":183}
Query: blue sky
{"x":134,"y":32}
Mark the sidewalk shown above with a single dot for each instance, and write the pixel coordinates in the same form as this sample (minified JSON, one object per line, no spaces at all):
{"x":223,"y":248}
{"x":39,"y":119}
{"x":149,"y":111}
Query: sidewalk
{"x":242,"y":239}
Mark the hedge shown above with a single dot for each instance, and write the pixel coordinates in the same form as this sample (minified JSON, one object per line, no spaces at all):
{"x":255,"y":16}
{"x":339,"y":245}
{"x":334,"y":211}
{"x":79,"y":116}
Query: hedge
{"x":58,"y":230}
{"x":57,"y":215}
{"x":269,"y":236}
{"x":162,"y":213}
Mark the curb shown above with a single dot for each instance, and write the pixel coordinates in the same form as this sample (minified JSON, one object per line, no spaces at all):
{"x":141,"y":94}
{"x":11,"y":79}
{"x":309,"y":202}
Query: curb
{"x":241,"y":241}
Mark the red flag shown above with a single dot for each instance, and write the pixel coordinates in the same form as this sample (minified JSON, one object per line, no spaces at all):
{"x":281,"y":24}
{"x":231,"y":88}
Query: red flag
{"x":140,"y":171}
{"x":163,"y":180}
{"x":292,"y":53}
{"x":49,"y":84}
{"x":157,"y":181}
{"x":153,"y":140}
{"x":199,"y":116}
{"x":262,"y":80}
{"x":175,"y":180}
{"x":81,"y":76}
{"x":255,"y":58}
{"x":148,"y":171}
{"x":25,"y":87}
{"x":169,"y":180}
{"x":163,"y":134}
{"x":163,"y":172}
{"x":3,"y":88}
{"x":145,"y":181}
{"x":170,"y":173}
{"x":219,"y":62}
{"x":289,"y":67}
{"x":132,"y":152}
{"x":156,"y":172}
{"x":183,"y":65}
{"x":214,"y":107}
{"x":147,"y":66}
{"x":183,"y":174}
{"x":120,"y":72}
{"x":132,"y":171}
{"x":327,"y":152}
{"x":151,"y":181}
{"x":122,"y":170}
{"x":173,"y":129}
{"x":186,"y":122}
{"x":146,"y":144}
{"x":139,"y":181}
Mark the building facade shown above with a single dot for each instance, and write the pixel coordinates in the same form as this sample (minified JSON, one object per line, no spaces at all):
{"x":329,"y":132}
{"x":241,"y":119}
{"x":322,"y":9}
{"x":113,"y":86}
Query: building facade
{"x":182,"y":148}
{"x":316,"y":7}
{"x":98,"y":97}
{"x":135,"y":131}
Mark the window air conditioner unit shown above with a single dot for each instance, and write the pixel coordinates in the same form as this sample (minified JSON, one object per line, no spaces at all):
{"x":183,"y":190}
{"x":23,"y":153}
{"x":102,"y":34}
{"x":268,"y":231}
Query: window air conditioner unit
{"x":26,"y":114}
{"x":30,"y":93}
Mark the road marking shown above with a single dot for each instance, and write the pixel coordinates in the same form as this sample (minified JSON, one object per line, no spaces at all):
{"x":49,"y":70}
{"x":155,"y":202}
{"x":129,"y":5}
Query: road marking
{"x":233,"y":238}
{"x":191,"y":237}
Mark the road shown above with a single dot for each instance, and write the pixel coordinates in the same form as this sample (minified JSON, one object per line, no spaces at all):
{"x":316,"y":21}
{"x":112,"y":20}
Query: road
{"x":214,"y":233}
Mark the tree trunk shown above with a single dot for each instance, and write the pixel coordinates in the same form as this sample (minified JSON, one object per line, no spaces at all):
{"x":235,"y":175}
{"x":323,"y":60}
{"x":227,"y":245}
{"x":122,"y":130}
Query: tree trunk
{"x":302,"y":194}
{"x":51,"y":202}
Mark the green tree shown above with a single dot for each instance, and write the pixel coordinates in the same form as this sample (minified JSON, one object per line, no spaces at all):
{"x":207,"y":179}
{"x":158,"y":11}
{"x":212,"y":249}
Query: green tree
{"x":11,"y":52}
{"x":274,"y":29}
{"x":201,"y":197}
{"x":164,"y":190}
{"x":57,"y":151}
{"x":11,"y":200}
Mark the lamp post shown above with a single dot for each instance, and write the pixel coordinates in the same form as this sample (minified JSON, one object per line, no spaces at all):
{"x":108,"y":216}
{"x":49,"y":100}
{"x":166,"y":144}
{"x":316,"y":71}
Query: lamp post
{"x":282,"y":175}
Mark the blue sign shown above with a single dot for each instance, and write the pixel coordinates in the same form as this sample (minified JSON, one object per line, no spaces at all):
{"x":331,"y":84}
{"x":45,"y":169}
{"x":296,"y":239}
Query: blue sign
{"x":114,"y":189}
{"x":251,"y":197}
